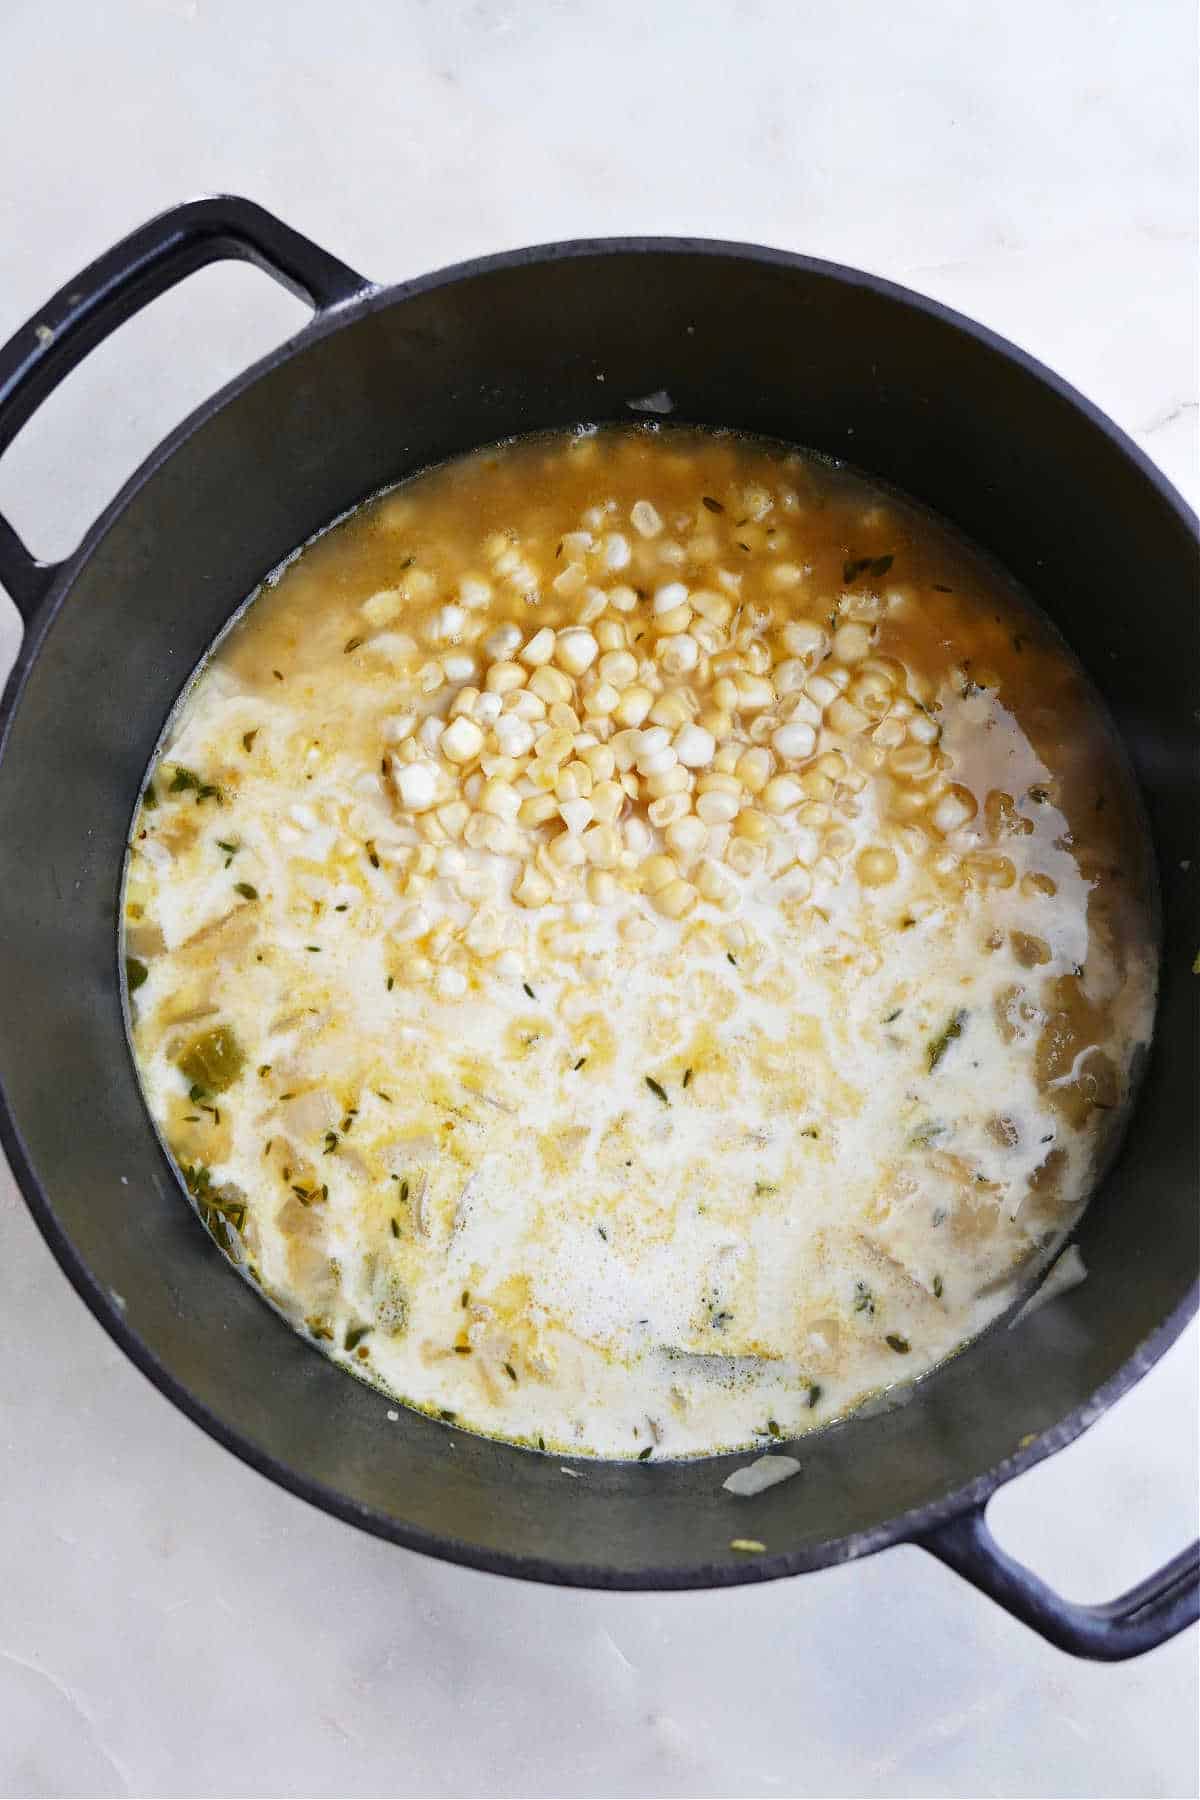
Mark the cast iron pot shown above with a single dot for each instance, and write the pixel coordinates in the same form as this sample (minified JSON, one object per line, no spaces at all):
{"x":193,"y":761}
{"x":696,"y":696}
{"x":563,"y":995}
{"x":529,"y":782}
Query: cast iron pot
{"x":380,"y":383}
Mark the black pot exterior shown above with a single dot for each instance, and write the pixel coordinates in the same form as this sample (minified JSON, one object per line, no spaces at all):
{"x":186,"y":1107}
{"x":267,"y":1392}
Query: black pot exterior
{"x":378,"y":386}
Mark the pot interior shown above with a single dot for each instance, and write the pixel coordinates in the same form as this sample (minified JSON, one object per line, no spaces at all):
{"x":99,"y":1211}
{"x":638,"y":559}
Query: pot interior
{"x":797,"y":351}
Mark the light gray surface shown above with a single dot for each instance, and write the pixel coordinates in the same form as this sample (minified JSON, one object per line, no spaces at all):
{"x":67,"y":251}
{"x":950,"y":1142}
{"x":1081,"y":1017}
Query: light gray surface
{"x":170,"y":1623}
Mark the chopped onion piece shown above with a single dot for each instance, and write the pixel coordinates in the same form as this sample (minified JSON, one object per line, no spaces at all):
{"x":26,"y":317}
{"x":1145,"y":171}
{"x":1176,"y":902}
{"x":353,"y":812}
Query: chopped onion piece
{"x":756,"y":1477}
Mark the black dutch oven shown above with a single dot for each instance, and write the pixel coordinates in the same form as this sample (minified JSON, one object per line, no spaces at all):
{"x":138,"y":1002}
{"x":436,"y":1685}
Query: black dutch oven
{"x":379,"y":384}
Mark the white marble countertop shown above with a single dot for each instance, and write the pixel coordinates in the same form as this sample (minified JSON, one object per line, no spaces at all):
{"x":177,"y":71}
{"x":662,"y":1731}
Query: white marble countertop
{"x":169,"y":1622}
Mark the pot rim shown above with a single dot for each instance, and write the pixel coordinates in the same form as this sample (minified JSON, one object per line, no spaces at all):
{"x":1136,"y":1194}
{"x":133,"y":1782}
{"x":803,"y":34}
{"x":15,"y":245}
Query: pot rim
{"x":902,"y":1528}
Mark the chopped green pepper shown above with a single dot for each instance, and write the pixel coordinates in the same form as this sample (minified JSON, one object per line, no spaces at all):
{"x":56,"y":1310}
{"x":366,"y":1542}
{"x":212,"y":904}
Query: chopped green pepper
{"x":213,"y":1061}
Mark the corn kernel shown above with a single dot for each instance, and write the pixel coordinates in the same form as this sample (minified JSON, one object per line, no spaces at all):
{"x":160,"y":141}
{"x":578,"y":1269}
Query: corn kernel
{"x":538,"y":809}
{"x":500,"y":800}
{"x":781,"y":794}
{"x":716,"y":608}
{"x":669,"y":807}
{"x":746,"y":858}
{"x":503,"y":677}
{"x":602,"y":888}
{"x":549,"y":684}
{"x":674,"y":780}
{"x":610,"y":635}
{"x":671,"y":710}
{"x":600,"y":760}
{"x":576,"y":650}
{"x":686,"y":836}
{"x":716,"y":782}
{"x":634,"y":705}
{"x":539,"y":649}
{"x":532,"y":889}
{"x":602,"y":846}
{"x":675,"y":900}
{"x":574,"y":782}
{"x":656,"y":872}
{"x":753,"y":825}
{"x":453,"y":817}
{"x":714,"y":719}
{"x":717,"y":808}
{"x":753,"y":692}
{"x":753,"y":768}
{"x":608,"y":798}
{"x":566,"y":850}
{"x":714,"y":884}
{"x":601,"y":699}
{"x":461,"y":741}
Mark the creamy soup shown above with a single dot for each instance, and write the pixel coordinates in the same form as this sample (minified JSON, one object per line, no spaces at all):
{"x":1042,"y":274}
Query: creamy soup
{"x":636,"y":942}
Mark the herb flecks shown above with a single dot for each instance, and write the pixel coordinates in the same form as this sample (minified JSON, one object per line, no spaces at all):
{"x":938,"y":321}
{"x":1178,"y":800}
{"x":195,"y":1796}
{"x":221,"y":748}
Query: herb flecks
{"x":657,"y":1089}
{"x":940,"y":1044}
{"x":897,"y":1343}
{"x":245,"y":890}
{"x":714,"y":506}
{"x":864,"y":1300}
{"x":187,"y":781}
{"x":866,"y":565}
{"x":136,"y":973}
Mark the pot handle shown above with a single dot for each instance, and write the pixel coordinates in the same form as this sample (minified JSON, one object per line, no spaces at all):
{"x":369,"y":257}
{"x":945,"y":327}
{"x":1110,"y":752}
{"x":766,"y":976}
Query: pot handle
{"x":120,"y":283}
{"x":1147,"y":1615}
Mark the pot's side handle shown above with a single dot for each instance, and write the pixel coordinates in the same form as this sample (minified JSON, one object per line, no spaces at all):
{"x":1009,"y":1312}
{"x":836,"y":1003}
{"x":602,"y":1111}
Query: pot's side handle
{"x":120,"y":283}
{"x":1136,"y":1621}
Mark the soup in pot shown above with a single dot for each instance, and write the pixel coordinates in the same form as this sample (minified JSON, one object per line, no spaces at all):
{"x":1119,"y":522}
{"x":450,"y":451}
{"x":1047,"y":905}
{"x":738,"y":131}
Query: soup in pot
{"x":637,"y":941}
